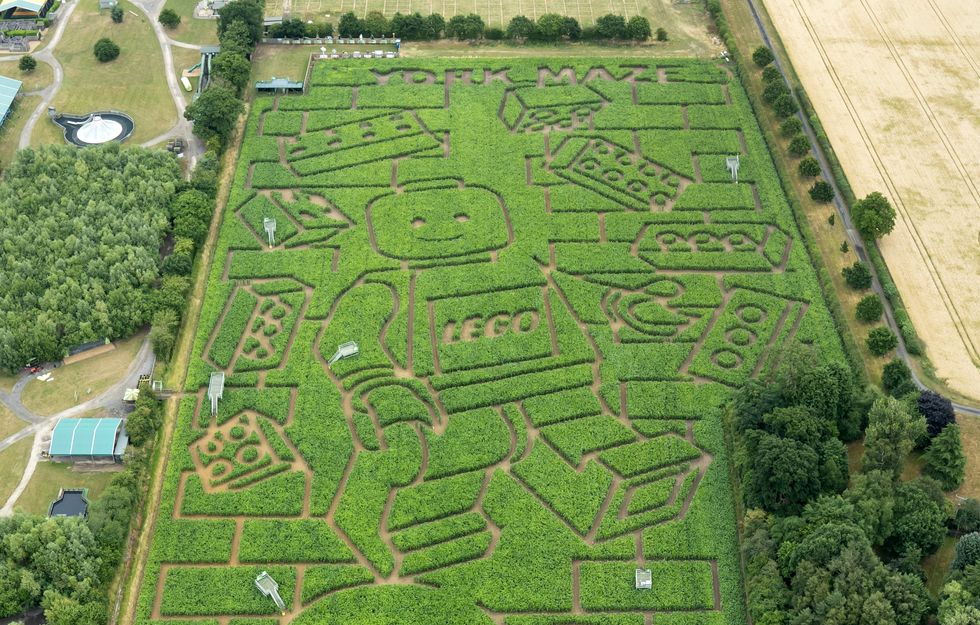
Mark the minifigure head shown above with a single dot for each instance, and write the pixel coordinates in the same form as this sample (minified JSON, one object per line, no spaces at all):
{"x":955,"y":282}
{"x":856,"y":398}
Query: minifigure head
{"x":438,"y":223}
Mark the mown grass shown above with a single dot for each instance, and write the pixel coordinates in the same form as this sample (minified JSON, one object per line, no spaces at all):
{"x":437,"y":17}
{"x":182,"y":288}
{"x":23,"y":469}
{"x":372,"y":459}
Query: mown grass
{"x":191,"y":29}
{"x":87,"y":379}
{"x":12,"y":462}
{"x":50,"y":477}
{"x":134,"y":83}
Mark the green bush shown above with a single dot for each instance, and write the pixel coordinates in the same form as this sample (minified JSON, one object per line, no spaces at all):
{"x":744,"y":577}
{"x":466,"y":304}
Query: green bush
{"x":790,"y":127}
{"x":869,"y":309}
{"x":809,"y":167}
{"x":762,"y":56}
{"x":799,"y":145}
{"x":106,"y":50}
{"x":857,"y":276}
{"x":821,"y":191}
{"x":881,"y":340}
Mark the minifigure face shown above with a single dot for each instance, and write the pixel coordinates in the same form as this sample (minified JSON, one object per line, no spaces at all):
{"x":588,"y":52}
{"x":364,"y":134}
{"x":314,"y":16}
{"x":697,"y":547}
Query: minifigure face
{"x":438,"y":223}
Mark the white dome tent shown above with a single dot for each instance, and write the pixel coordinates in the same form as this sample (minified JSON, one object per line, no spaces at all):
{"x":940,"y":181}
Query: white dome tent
{"x":99,"y":130}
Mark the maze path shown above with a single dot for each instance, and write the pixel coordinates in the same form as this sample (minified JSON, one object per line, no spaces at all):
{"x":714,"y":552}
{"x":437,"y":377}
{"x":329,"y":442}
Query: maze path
{"x":527,"y":367}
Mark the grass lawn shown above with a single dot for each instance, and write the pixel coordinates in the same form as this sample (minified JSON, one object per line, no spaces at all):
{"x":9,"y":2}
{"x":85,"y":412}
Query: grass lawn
{"x":50,"y":477}
{"x":38,"y":79}
{"x":7,"y":381}
{"x":936,"y":566}
{"x":185,"y":59}
{"x":12,"y":462}
{"x":9,"y":139}
{"x":970,"y":435}
{"x":95,"y":374}
{"x":9,"y":423}
{"x":134,"y":83}
{"x":191,"y":30}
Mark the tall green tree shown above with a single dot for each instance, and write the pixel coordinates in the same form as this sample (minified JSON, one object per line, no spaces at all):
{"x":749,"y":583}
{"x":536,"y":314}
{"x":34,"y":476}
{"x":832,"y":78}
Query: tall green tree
{"x":215,"y":113}
{"x":233,"y":69}
{"x":889,"y":437}
{"x":873,"y":216}
{"x":638,"y":28}
{"x":520,"y":28}
{"x":945,"y":460}
{"x":250,"y":12}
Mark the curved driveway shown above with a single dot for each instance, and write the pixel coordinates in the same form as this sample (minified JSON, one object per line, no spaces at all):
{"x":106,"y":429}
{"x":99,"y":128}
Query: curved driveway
{"x":40,"y":426}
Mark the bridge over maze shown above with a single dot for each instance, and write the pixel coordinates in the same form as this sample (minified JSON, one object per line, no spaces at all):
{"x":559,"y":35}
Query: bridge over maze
{"x":554,"y":288}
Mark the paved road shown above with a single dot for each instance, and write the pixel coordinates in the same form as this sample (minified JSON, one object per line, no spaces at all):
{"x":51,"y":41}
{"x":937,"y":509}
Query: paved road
{"x":40,"y":426}
{"x":182,"y":128}
{"x":853,"y":236}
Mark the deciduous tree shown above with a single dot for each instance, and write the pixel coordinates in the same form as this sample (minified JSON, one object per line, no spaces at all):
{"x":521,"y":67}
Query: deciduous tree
{"x":873,"y":216}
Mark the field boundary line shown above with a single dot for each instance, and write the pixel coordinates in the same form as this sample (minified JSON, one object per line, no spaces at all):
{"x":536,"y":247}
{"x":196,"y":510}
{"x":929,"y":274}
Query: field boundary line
{"x":879,"y":164}
{"x":184,"y":346}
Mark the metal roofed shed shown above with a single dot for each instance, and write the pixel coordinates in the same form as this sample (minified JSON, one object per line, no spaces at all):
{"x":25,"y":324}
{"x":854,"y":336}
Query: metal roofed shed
{"x":25,"y":8}
{"x":9,"y":88}
{"x":70,"y":502}
{"x":270,"y":588}
{"x":277,"y":85}
{"x":89,"y":439}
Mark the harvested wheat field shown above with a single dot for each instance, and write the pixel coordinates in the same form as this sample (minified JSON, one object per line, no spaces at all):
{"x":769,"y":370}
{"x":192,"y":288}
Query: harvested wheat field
{"x":896,"y":84}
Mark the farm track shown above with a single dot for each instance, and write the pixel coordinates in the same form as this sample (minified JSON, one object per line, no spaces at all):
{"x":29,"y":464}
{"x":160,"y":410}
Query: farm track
{"x":842,"y":211}
{"x":924,"y":268}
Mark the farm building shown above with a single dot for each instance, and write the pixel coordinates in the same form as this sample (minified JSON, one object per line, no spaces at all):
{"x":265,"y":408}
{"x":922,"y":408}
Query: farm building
{"x":14,"y":9}
{"x":70,"y":502}
{"x":89,"y":439}
{"x":9,"y":88}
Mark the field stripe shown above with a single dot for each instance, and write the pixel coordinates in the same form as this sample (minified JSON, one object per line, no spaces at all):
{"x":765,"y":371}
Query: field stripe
{"x":900,"y":205}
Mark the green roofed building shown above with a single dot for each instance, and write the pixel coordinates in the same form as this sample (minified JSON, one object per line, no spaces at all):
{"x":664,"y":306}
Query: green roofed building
{"x":89,"y":439}
{"x":8,"y":91}
{"x":15,"y":9}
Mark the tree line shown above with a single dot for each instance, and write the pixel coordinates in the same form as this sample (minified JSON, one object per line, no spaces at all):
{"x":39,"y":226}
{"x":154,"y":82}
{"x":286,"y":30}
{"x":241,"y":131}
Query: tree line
{"x":548,"y":28}
{"x":821,"y":544}
{"x":81,"y":233}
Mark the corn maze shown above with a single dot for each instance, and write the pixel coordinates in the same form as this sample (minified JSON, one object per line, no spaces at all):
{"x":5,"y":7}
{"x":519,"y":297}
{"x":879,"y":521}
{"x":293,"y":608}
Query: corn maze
{"x":554,"y":286}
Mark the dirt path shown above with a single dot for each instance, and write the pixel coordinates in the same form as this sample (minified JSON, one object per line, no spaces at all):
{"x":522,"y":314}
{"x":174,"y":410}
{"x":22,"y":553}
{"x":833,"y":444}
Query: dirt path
{"x":126,"y":601}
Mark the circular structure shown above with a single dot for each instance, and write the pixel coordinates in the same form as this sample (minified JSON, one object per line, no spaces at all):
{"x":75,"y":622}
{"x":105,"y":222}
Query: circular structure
{"x":99,"y":130}
{"x":95,"y":128}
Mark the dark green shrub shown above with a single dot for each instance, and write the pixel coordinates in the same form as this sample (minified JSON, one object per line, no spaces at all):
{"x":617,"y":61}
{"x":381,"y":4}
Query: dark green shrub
{"x":869,"y":309}
{"x":771,"y":74}
{"x":822,"y":191}
{"x":785,"y":106}
{"x":809,"y":166}
{"x":762,"y":56}
{"x":896,"y":378}
{"x":857,"y":276}
{"x":790,"y":127}
{"x":799,"y":145}
{"x":106,"y":50}
{"x":881,"y":340}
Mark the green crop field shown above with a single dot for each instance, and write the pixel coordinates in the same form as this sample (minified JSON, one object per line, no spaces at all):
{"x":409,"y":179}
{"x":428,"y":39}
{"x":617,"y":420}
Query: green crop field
{"x":554,"y":287}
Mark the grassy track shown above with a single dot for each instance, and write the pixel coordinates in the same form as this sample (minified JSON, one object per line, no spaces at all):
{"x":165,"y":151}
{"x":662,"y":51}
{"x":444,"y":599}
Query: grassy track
{"x":12,"y":462}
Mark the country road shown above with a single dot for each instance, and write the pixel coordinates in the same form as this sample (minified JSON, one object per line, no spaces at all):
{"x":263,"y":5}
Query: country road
{"x":853,"y":236}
